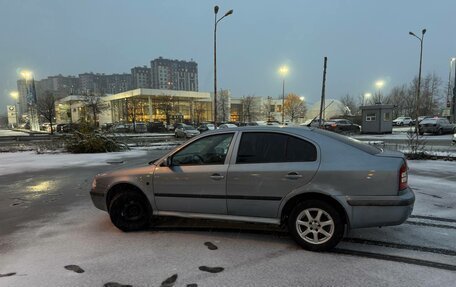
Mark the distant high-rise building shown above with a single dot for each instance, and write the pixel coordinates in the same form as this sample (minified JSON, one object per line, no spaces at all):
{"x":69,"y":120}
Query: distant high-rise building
{"x":62,"y":86}
{"x":174,"y":75}
{"x":104,"y":84}
{"x":116,"y":83}
{"x":22,"y":88}
{"x":140,"y":77}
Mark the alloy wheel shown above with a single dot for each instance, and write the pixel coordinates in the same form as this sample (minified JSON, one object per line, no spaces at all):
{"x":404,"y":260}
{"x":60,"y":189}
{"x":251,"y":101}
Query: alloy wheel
{"x":315,"y":226}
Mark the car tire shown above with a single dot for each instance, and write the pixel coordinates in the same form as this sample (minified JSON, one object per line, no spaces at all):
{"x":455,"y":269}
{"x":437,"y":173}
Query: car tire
{"x":130,"y":211}
{"x":421,"y":133}
{"x":440,"y":132}
{"x":316,"y":225}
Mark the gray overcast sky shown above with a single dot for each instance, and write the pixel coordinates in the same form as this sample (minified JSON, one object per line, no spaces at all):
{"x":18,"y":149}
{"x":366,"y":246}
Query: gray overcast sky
{"x":363,"y":40}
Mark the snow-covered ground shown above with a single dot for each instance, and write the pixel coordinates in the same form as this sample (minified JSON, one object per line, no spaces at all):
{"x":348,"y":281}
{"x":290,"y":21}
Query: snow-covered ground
{"x":18,"y":162}
{"x":84,"y":236}
{"x":8,"y":133}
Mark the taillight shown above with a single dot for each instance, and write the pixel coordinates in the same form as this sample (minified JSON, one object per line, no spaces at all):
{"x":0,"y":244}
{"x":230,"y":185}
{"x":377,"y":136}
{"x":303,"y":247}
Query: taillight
{"x":403,"y":176}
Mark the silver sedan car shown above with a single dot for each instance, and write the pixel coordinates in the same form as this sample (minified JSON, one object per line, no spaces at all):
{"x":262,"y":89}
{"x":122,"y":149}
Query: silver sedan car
{"x":315,"y":182}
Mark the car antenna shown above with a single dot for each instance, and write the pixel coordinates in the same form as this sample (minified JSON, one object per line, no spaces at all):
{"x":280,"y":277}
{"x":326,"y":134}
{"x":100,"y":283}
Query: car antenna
{"x":318,"y":114}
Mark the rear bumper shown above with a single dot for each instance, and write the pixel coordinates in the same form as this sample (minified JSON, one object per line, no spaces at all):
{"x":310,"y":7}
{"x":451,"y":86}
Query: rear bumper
{"x":98,"y":200}
{"x":369,"y":211}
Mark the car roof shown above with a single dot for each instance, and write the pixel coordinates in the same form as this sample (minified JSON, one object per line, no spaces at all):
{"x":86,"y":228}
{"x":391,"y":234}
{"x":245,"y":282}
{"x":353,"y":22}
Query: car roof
{"x":295,"y":129}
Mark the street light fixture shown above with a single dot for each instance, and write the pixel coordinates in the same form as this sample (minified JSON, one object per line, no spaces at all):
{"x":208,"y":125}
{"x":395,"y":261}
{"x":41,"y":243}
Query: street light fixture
{"x":283,"y":71}
{"x":216,"y":9}
{"x":366,"y":95}
{"x":14,"y":95}
{"x":419,"y":78}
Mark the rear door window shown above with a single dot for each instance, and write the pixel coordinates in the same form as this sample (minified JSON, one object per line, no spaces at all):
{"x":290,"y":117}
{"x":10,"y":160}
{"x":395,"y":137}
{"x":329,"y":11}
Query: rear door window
{"x":274,"y":147}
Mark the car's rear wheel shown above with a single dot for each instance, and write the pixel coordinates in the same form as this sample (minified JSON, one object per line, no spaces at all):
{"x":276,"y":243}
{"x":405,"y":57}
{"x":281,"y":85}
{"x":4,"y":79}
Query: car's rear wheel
{"x":130,"y":211}
{"x":440,"y":132}
{"x":316,"y":225}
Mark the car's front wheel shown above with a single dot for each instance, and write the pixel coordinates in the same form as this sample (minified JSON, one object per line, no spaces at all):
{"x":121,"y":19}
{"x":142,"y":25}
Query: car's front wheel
{"x":130,"y":211}
{"x":316,"y":225}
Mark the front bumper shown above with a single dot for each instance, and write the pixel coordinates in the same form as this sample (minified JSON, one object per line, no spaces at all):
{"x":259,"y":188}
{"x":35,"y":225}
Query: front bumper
{"x":370,"y":211}
{"x":98,"y":200}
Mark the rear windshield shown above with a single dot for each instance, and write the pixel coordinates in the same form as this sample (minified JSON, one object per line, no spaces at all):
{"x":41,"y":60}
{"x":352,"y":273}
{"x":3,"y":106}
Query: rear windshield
{"x":350,"y":141}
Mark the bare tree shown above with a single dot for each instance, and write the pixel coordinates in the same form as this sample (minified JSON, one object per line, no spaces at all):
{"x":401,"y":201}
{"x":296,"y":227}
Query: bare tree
{"x":132,"y":105}
{"x":350,"y":102}
{"x":95,"y":104}
{"x":46,"y":107}
{"x":268,"y":109}
{"x":223,"y":108}
{"x":200,"y":109}
{"x":294,"y":107}
{"x":248,"y":108}
{"x":167,"y":107}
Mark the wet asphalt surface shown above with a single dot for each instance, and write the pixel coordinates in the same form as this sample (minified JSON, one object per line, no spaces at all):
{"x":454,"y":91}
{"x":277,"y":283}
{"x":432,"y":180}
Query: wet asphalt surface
{"x":34,"y":195}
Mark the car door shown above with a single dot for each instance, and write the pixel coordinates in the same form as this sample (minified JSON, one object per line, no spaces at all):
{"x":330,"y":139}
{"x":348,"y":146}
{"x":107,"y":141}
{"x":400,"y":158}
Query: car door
{"x":195,"y":179}
{"x":266,"y":167}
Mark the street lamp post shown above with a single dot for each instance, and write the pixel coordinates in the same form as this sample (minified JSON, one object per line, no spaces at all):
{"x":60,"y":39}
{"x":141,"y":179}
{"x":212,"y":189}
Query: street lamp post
{"x":216,"y":9}
{"x":448,"y":102}
{"x":419,"y":78}
{"x":283,"y":71}
{"x":15,"y":96}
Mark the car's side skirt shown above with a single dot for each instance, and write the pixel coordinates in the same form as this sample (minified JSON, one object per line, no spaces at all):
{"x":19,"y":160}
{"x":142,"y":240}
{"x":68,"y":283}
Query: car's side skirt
{"x":275,"y":221}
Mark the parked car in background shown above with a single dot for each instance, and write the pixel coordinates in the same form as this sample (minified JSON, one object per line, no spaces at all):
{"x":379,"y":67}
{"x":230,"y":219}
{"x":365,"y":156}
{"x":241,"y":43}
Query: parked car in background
{"x":185,"y":131}
{"x":204,"y":127}
{"x":121,"y":128}
{"x":420,"y":118}
{"x":156,"y":127}
{"x":403,"y":121}
{"x":107,"y":127}
{"x":249,"y":124}
{"x":138,"y":127}
{"x":342,"y":126}
{"x":227,"y":126}
{"x":316,"y":182}
{"x":436,"y":126}
{"x":313,"y":123}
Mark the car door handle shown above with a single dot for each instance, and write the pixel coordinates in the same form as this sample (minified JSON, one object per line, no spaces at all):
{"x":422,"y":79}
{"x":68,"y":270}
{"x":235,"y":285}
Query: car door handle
{"x":217,"y":176}
{"x":293,"y":175}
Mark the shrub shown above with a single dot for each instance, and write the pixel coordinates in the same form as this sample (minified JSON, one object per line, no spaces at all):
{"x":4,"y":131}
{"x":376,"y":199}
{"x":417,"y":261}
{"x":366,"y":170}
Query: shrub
{"x":86,"y":140}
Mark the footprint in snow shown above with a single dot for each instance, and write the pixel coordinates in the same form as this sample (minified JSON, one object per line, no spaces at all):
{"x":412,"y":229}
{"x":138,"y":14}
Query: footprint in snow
{"x":169,"y":282}
{"x":115,"y":284}
{"x":74,"y":268}
{"x":211,"y":269}
{"x":8,"y":274}
{"x":210,"y":245}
